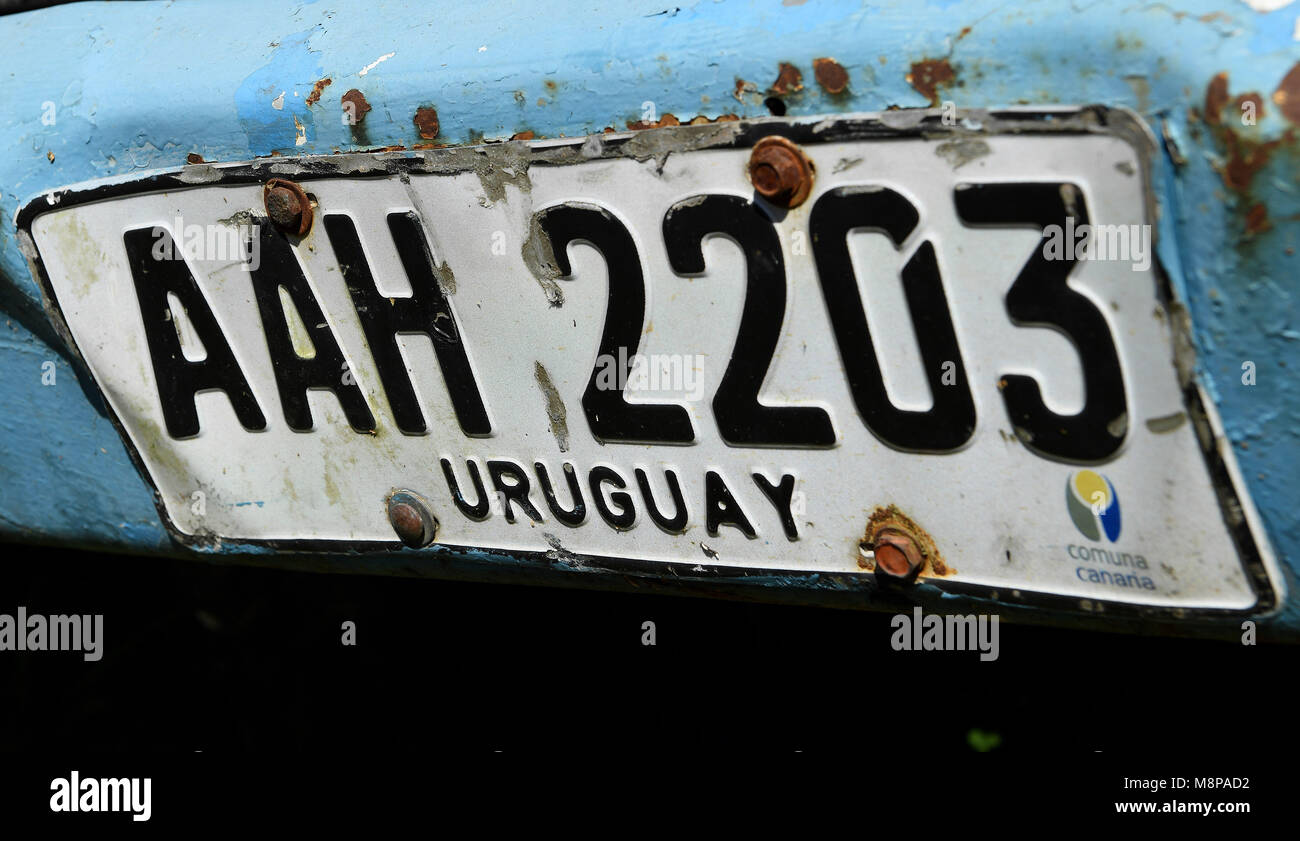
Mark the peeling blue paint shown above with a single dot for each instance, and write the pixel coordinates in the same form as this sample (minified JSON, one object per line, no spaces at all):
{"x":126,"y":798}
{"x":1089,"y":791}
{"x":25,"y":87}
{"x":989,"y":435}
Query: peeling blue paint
{"x":270,"y":101}
{"x":148,"y":84}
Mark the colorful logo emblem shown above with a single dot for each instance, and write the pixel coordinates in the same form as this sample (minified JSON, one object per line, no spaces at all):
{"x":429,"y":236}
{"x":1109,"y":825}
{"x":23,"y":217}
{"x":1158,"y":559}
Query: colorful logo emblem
{"x":1093,"y":505}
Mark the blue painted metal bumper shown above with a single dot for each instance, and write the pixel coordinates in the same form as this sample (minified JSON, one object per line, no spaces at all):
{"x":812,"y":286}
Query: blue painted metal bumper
{"x":99,"y":91}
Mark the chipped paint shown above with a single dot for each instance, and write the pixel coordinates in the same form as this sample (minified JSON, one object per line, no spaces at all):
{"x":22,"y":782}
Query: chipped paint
{"x":929,"y":75}
{"x":540,"y":260}
{"x":372,"y":65}
{"x":317,"y":89}
{"x":555,"y":411}
{"x":961,"y":151}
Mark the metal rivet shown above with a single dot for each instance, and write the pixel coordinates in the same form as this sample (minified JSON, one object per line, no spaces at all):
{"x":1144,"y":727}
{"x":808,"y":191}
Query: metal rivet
{"x":288,"y":206}
{"x":780,"y":171}
{"x":409,"y":514}
{"x":898,"y":558}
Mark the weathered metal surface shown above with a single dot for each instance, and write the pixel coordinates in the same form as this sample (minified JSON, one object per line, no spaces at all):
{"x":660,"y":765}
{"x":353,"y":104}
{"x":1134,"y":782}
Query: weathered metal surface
{"x":288,"y":475}
{"x":1193,"y":69}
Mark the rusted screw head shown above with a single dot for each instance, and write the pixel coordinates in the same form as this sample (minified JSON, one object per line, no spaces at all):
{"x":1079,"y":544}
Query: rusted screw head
{"x":898,"y":558}
{"x":414,"y":524}
{"x":780,"y":171}
{"x":287,"y":206}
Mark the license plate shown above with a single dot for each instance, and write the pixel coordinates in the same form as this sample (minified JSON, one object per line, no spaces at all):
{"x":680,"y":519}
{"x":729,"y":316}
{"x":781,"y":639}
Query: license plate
{"x":609,"y":353}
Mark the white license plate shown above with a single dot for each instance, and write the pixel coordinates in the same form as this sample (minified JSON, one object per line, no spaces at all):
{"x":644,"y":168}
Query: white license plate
{"x":726,"y":386}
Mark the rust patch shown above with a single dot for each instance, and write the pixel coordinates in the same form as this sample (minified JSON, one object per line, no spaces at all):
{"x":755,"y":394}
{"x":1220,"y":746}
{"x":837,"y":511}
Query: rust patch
{"x":194,"y":158}
{"x":700,"y":119}
{"x":426,"y":122}
{"x":1247,"y":157}
{"x":523,"y":135}
{"x":928,"y":75}
{"x":355,"y":109}
{"x":359,"y":105}
{"x":288,"y":206}
{"x":1216,"y":96}
{"x":665,"y":120}
{"x":1287,"y":95}
{"x":831,"y":75}
{"x":788,"y":80}
{"x":742,"y":88}
{"x":1255,"y":99}
{"x":314,"y":96}
{"x":890,"y":517}
{"x":780,"y":171}
{"x":1257,"y":220}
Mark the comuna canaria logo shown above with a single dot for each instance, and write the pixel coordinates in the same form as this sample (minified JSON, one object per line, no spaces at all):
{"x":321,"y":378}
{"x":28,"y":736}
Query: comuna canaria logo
{"x":1093,"y":505}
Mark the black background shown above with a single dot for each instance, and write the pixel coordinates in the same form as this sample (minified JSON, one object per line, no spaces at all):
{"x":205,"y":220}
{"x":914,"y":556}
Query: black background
{"x":201,"y":657}
{"x":246,"y":667}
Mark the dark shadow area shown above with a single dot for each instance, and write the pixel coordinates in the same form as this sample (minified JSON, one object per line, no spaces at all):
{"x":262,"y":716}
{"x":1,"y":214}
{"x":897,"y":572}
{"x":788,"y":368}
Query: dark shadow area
{"x":203,"y":657}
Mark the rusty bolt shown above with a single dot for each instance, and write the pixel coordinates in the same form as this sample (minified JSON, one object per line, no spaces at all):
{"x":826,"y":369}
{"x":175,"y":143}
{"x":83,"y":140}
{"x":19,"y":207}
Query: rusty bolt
{"x":414,"y":524}
{"x":288,"y":206}
{"x":780,"y":171}
{"x":898,"y":558}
